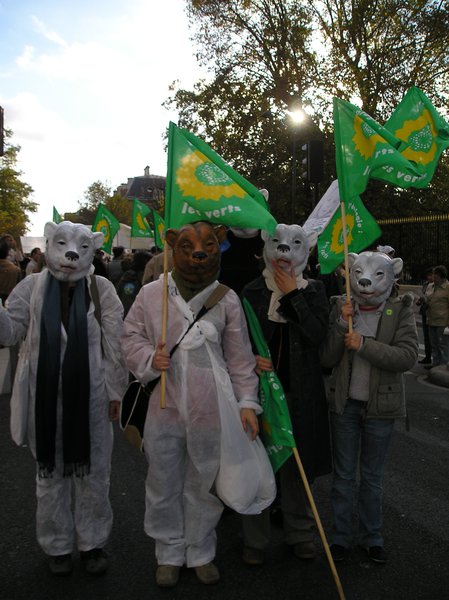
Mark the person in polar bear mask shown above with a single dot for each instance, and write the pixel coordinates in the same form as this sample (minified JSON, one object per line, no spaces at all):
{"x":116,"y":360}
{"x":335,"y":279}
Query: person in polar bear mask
{"x":69,"y":381}
{"x":366,"y":393}
{"x":293,"y":312}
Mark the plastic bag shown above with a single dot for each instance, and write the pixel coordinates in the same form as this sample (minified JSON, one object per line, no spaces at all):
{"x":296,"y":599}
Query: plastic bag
{"x":20,"y":395}
{"x":245,"y":480}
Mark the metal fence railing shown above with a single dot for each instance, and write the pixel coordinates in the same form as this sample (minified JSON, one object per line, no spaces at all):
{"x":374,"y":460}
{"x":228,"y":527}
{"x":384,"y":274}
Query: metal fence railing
{"x":421,"y":242}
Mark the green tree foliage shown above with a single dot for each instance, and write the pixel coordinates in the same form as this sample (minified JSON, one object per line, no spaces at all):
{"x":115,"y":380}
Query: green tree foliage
{"x":15,"y":205}
{"x":267,"y":56}
{"x":100,"y":193}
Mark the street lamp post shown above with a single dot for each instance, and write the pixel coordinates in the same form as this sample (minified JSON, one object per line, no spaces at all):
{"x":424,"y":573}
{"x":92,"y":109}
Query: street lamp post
{"x":297,"y":117}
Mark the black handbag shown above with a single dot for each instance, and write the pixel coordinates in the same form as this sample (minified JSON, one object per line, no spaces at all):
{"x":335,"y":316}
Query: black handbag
{"x":134,"y":406}
{"x":133,"y":410}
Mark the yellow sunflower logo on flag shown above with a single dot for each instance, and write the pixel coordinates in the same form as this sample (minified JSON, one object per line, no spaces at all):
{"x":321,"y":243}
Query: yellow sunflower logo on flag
{"x":199,"y":178}
{"x":365,"y":139}
{"x":103,"y":226}
{"x":337,"y":245}
{"x":420,"y":134}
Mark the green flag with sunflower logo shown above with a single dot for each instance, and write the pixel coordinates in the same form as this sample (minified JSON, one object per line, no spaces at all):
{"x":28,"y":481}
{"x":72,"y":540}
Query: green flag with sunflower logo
{"x":107,"y":224}
{"x":159,"y":229}
{"x":361,"y":231}
{"x":423,"y":132}
{"x":139,"y":225}
{"x":202,"y":186}
{"x":276,"y":428}
{"x":365,"y":150}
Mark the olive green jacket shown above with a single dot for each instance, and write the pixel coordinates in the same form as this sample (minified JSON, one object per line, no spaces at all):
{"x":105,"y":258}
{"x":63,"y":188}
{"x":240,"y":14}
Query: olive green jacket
{"x":391,"y":353}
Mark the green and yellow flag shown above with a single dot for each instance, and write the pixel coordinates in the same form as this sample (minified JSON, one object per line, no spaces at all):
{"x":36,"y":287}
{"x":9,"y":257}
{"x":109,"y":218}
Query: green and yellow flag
{"x":159,"y":229}
{"x":423,"y":132}
{"x":107,"y":224}
{"x":276,"y":431}
{"x":202,"y":186}
{"x":361,"y":231}
{"x":139,"y":224}
{"x":365,"y":150}
{"x":56,"y":216}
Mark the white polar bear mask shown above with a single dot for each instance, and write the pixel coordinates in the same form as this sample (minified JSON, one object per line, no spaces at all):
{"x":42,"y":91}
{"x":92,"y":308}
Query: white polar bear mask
{"x":372,"y":276}
{"x":289,"y":247}
{"x":70,"y":249}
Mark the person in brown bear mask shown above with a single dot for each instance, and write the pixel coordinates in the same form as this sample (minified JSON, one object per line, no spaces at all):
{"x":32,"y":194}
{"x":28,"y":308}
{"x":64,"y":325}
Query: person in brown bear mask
{"x":182,"y":441}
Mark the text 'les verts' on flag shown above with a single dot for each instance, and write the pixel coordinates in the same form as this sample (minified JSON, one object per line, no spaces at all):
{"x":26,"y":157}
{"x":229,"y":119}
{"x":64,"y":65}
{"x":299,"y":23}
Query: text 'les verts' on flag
{"x":201,"y":185}
{"x":361,"y":231}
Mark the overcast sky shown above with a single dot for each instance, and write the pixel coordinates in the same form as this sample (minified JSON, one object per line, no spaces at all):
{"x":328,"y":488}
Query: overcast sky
{"x":81,"y":84}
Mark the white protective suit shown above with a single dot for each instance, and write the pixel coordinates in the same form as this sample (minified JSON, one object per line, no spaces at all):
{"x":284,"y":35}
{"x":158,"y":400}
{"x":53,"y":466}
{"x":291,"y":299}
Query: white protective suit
{"x":182,"y":441}
{"x":108,"y":378}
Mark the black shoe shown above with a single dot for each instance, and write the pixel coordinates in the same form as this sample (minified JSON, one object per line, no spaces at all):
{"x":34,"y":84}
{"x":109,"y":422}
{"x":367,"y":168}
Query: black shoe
{"x":425,"y":361}
{"x":253,"y":556}
{"x":61,"y":565}
{"x":95,"y":561}
{"x":338,"y":552}
{"x":377,"y":554}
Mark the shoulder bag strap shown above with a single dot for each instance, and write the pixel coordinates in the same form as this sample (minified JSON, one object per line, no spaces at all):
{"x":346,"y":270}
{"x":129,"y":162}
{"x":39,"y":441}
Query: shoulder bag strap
{"x":218,"y":293}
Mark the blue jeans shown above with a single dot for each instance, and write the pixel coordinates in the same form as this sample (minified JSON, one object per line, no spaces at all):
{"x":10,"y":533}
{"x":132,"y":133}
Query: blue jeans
{"x":357,"y":440}
{"x":440,"y":345}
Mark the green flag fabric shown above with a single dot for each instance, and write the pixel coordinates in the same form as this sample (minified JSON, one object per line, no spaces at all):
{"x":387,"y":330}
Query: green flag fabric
{"x":56,"y":216}
{"x":365,"y":150}
{"x":139,"y":225}
{"x":424,"y":134}
{"x":159,"y":229}
{"x":108,"y":224}
{"x":202,"y":186}
{"x":361,"y":231}
{"x":276,"y":432}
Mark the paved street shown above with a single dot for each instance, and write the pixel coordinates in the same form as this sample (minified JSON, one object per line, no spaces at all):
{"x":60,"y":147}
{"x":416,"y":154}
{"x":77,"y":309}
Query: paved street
{"x":416,"y":529}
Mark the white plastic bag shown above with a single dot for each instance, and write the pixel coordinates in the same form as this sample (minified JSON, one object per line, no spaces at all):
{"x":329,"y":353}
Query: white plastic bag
{"x":245,"y":480}
{"x":20,"y":395}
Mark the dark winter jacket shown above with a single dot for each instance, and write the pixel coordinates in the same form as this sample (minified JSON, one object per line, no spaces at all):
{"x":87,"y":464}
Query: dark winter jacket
{"x":299,"y":369}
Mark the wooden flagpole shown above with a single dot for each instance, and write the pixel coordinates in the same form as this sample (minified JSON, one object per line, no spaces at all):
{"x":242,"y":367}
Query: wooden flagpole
{"x":345,"y":249}
{"x":164,"y":319}
{"x":319,"y":525}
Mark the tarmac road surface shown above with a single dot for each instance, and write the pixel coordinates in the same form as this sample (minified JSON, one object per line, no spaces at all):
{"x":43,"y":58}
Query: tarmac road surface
{"x":416,"y":507}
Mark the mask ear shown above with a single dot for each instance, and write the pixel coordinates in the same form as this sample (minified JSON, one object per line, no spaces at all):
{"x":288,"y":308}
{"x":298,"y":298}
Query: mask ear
{"x":49,"y":229}
{"x":264,"y":235}
{"x":220,"y":232}
{"x":171,"y":235}
{"x":351,"y":258}
{"x":397,"y":266}
{"x":98,"y":237}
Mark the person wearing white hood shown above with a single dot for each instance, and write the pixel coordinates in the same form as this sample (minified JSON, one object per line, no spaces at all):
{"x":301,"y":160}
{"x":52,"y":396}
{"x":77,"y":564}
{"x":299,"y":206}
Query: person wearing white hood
{"x":69,"y":381}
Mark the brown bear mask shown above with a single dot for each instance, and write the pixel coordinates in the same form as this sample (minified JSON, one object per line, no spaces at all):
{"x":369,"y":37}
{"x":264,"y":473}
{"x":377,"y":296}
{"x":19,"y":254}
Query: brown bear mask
{"x":196,"y":251}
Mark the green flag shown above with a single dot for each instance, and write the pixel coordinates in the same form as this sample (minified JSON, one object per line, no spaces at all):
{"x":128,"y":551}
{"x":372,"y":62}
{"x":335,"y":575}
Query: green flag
{"x":56,"y":216}
{"x":202,"y":186}
{"x":364,"y":150}
{"x":107,"y":224}
{"x":276,"y":432}
{"x":139,"y":225}
{"x":159,"y":229}
{"x":361,"y":231}
{"x":423,"y":132}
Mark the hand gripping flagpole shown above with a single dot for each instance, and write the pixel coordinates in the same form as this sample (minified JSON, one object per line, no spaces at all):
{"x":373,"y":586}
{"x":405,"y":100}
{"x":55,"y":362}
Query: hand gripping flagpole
{"x":318,"y":524}
{"x":164,"y":319}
